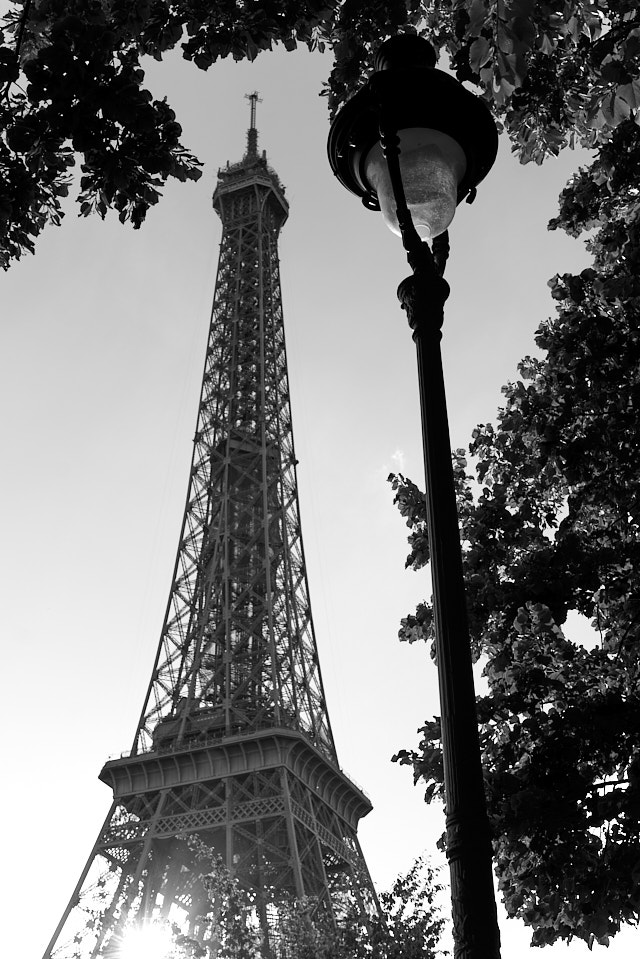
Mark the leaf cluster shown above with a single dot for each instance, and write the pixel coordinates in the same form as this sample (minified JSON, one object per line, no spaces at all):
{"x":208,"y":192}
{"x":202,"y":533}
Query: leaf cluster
{"x":408,"y":924}
{"x":555,"y":73}
{"x":72,"y":83}
{"x":550,"y":525}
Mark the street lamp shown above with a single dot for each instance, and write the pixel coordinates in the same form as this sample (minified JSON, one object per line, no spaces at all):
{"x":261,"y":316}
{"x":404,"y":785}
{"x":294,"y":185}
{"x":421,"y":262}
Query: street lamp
{"x":413,"y":142}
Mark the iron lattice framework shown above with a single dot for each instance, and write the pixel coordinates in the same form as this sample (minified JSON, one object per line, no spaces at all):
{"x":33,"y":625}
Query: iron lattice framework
{"x":233,"y":759}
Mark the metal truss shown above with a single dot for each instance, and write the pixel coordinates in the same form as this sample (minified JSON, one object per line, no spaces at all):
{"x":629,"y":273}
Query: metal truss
{"x":237,"y":648}
{"x":233,"y":757}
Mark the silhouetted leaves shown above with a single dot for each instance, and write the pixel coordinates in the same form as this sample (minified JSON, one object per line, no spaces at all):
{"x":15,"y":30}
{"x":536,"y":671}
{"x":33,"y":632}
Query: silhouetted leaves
{"x":408,"y":926}
{"x":552,"y":74}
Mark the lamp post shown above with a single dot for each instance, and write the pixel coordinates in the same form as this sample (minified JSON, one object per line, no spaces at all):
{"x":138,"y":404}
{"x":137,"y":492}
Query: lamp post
{"x":414,"y":142}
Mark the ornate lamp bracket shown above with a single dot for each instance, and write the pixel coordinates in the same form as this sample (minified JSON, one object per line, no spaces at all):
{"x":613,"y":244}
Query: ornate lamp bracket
{"x":423,"y":294}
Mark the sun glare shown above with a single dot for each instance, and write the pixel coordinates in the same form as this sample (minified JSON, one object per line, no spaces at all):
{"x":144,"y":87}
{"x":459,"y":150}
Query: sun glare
{"x":152,"y":941}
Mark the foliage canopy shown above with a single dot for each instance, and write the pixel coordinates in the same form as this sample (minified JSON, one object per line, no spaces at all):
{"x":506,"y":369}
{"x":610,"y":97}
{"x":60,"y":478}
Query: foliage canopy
{"x":72,"y":82}
{"x":408,"y":925}
{"x":551,"y":526}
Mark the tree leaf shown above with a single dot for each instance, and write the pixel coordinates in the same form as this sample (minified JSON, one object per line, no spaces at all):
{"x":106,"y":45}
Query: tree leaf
{"x":479,"y":54}
{"x":630,"y":93}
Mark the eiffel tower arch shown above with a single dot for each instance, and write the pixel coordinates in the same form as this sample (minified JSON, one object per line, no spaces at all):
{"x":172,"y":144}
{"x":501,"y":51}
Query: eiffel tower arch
{"x":233,"y":759}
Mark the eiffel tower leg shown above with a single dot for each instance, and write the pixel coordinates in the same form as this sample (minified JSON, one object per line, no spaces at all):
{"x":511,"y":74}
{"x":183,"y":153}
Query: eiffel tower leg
{"x":110,"y":924}
{"x":261,"y":906}
{"x":361,"y":878}
{"x":76,"y":892}
{"x":321,"y":874}
{"x":229,"y":853}
{"x":291,"y":832}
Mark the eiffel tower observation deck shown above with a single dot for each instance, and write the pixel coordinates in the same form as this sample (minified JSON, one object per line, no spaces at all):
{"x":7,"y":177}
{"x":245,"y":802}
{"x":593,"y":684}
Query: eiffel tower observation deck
{"x":233,"y":770}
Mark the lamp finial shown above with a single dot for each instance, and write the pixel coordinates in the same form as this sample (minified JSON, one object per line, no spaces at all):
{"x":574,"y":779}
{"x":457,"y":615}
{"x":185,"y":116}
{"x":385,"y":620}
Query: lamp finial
{"x":403,"y":51}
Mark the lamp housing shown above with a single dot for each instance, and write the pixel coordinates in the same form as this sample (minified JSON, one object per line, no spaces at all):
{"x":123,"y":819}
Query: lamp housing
{"x":447,"y":137}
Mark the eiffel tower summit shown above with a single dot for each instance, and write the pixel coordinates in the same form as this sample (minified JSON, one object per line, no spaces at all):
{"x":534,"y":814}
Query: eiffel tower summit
{"x":233,"y":766}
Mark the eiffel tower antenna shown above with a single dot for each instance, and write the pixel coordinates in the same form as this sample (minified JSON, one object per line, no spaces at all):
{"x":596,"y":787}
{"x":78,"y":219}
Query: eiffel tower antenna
{"x":252,"y":133}
{"x":233,"y":759}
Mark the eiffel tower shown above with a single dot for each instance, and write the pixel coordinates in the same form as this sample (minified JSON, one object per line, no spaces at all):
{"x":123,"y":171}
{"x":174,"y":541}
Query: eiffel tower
{"x":233,"y":759}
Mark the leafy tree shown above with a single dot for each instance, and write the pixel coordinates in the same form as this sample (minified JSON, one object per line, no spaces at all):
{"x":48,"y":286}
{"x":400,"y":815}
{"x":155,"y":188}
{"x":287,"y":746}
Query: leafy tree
{"x":72,"y":82}
{"x":551,"y":525}
{"x":408,"y":926}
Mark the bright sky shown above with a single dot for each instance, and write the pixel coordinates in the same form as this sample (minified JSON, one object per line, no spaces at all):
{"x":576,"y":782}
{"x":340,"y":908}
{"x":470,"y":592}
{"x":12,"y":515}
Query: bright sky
{"x":102,"y":345}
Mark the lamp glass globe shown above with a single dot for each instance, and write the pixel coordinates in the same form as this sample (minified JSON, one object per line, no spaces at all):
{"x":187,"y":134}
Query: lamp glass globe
{"x":432,"y":164}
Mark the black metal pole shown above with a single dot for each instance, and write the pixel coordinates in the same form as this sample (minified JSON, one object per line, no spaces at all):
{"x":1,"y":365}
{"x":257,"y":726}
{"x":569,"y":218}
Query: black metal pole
{"x":422,"y":296}
{"x":475,"y":926}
